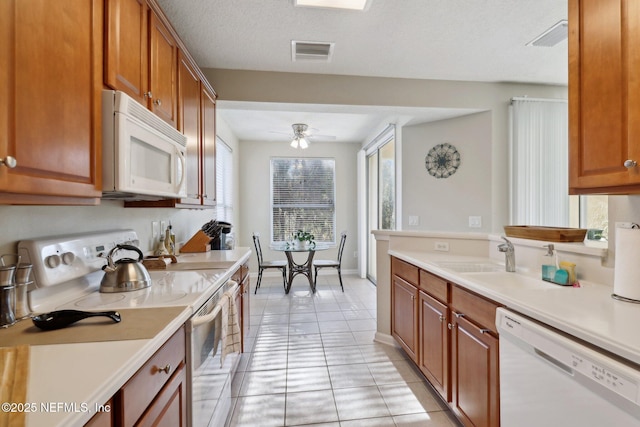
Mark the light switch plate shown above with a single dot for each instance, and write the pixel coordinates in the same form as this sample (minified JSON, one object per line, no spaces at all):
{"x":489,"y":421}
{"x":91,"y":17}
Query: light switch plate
{"x":475,"y":221}
{"x":414,"y":220}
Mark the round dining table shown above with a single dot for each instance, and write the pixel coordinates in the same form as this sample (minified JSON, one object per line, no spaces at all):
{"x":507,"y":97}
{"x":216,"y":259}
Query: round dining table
{"x":295,"y":268}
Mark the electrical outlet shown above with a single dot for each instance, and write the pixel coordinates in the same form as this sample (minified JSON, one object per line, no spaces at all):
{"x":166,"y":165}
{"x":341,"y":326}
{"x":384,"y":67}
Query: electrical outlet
{"x":355,"y":254}
{"x":163,"y":226}
{"x":624,"y":224}
{"x":475,"y":221}
{"x":414,"y":220}
{"x":155,"y":230}
{"x":441,"y":246}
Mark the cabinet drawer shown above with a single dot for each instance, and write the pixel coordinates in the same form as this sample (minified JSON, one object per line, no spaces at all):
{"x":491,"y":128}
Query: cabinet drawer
{"x":142,"y":388}
{"x":481,"y":310}
{"x":405,"y":270}
{"x":434,"y":285}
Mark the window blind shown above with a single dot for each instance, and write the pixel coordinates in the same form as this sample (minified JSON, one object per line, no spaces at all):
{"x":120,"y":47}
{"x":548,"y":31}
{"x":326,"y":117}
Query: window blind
{"x":224,"y":181}
{"x":539,"y":162}
{"x":303,"y":197}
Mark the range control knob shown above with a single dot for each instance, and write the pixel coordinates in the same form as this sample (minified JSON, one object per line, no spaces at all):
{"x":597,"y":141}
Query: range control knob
{"x":68,"y":258}
{"x":52,"y":261}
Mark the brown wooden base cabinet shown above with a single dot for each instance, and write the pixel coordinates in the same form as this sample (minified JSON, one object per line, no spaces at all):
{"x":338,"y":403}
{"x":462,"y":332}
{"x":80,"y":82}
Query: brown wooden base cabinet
{"x":450,"y":334}
{"x":404,"y":308}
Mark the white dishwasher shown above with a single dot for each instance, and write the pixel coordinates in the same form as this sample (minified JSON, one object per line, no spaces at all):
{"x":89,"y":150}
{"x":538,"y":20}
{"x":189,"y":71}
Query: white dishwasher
{"x":549,"y":379}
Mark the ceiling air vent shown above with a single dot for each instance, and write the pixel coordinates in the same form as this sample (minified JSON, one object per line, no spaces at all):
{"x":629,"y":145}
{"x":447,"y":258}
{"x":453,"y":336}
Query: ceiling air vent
{"x":315,"y":51}
{"x":552,"y":36}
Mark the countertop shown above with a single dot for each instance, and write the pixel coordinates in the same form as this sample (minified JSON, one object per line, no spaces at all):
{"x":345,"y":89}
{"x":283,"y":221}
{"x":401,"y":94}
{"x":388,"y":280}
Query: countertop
{"x":67,"y":382}
{"x":588,"y":313}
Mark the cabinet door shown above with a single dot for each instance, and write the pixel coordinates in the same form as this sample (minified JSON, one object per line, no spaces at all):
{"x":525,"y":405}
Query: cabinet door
{"x":189,"y":125}
{"x":169,"y":408}
{"x":474,"y":374}
{"x":50,"y":80}
{"x":404,"y":315}
{"x":603,"y":101}
{"x":163,"y":59}
{"x":126,"y":48}
{"x":434,"y":343}
{"x":208,"y":147}
{"x":246,"y":304}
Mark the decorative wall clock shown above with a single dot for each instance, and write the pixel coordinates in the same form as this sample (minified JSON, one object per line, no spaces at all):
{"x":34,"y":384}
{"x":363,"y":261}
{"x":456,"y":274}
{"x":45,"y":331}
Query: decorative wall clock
{"x":442,"y":161}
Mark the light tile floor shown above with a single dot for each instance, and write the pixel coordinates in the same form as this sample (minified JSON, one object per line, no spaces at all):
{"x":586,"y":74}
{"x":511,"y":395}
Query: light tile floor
{"x":310,"y":360}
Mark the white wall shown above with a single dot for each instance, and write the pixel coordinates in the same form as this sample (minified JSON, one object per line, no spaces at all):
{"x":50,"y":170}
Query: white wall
{"x":255,"y":187}
{"x":256,"y":86}
{"x":446,"y":204}
{"x":27,"y":222}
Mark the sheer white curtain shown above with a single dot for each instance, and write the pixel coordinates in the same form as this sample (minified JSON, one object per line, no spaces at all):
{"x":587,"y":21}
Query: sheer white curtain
{"x":539,"y":162}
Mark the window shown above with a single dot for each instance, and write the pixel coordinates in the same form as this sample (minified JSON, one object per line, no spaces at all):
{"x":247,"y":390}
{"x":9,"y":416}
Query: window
{"x":303,"y":197}
{"x":224,"y":181}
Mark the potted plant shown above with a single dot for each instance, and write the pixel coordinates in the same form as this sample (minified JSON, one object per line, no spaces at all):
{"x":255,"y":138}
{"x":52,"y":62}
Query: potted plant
{"x":302,"y":238}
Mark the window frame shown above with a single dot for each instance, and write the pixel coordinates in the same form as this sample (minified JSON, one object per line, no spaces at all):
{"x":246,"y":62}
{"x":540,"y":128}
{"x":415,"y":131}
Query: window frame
{"x":224,"y":182}
{"x":329,"y":243}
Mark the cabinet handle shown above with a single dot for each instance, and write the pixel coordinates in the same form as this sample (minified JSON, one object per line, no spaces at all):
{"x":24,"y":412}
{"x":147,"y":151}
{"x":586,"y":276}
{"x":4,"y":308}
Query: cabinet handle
{"x":484,"y":331}
{"x":166,"y":369}
{"x":413,"y":298}
{"x":630,"y":164}
{"x":450,"y":326}
{"x":148,"y":95}
{"x":158,"y":102}
{"x":459,"y":315}
{"x":442,"y":318}
{"x":9,"y":162}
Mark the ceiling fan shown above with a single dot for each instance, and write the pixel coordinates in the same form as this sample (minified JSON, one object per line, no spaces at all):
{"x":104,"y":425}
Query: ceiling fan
{"x":301,"y":136}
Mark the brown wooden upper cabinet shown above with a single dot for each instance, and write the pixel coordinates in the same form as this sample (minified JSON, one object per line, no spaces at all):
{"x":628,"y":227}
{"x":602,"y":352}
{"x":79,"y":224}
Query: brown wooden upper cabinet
{"x":50,"y":81}
{"x":141,"y":57}
{"x":197,"y":117}
{"x":604,"y":107}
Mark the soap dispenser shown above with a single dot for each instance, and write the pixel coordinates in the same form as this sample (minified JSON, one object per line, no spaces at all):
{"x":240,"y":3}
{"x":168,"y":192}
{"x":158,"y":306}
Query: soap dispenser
{"x":549,"y":268}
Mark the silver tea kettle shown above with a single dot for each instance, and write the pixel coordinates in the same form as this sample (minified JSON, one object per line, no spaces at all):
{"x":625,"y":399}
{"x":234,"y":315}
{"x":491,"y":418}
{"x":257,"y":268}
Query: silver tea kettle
{"x":125,"y":274}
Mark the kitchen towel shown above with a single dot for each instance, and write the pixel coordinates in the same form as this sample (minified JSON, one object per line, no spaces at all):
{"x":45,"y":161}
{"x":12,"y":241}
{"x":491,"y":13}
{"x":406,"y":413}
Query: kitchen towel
{"x":230,"y":336}
{"x":626,"y":275}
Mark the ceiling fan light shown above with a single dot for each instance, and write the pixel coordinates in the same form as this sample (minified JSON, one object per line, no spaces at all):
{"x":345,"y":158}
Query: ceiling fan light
{"x":294,"y":143}
{"x":303,"y":143}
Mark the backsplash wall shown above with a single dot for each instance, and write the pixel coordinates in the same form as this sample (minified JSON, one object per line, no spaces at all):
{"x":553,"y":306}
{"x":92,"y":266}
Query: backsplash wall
{"x":27,"y":222}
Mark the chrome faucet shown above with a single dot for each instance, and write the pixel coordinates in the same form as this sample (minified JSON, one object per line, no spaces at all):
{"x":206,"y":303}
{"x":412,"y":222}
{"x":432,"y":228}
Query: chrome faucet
{"x":509,"y":254}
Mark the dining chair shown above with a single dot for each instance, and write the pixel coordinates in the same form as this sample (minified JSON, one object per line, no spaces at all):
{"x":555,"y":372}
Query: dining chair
{"x":263,"y":265}
{"x":321,"y":263}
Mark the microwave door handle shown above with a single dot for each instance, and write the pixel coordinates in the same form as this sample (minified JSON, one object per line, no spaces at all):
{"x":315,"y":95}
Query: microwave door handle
{"x":198,"y":321}
{"x":184,"y":166}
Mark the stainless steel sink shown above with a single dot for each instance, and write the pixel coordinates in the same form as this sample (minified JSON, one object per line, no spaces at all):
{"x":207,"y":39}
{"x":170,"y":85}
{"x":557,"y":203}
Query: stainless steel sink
{"x":471,"y":267}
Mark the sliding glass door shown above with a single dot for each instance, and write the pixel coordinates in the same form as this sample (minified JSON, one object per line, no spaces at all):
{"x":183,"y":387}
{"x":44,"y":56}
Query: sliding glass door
{"x":381,"y":193}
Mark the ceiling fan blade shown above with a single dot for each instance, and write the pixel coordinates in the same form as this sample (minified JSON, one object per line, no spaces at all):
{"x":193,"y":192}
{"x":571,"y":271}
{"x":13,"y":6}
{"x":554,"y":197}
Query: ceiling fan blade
{"x":321,"y":137}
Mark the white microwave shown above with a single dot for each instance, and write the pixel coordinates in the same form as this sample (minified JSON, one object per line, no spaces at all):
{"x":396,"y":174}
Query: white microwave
{"x":143,"y":157}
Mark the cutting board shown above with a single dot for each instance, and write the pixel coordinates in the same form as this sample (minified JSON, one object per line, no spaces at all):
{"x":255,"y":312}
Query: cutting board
{"x":137,"y":323}
{"x":549,"y":234}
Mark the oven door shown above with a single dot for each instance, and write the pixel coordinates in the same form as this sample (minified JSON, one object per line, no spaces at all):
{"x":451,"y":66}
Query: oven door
{"x":209,"y":384}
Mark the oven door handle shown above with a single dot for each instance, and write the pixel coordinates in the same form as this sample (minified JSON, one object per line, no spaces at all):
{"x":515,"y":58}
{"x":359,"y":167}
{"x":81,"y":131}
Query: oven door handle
{"x":201,"y":320}
{"x":197,"y":321}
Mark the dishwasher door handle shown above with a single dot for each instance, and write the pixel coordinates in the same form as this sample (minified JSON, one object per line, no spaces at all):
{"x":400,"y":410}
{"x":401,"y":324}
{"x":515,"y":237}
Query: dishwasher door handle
{"x":553,"y":361}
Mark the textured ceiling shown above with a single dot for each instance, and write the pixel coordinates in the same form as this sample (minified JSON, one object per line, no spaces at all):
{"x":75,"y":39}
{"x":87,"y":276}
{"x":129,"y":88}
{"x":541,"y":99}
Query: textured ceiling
{"x":472,"y":40}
